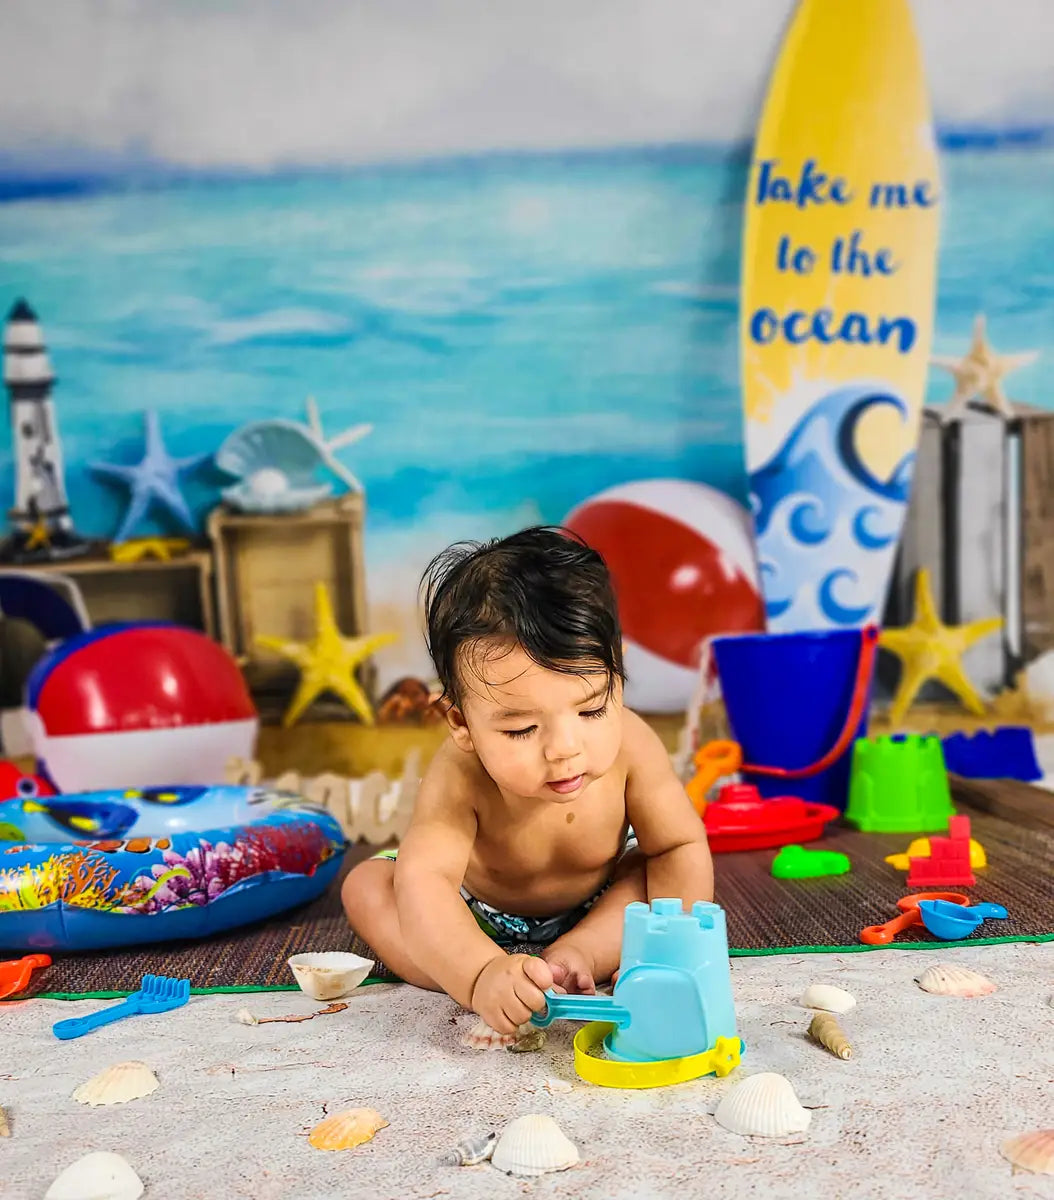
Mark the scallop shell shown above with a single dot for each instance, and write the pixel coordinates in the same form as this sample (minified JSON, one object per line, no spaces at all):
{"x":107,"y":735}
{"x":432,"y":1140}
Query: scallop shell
{"x":471,"y":1151}
{"x":5,"y":1128}
{"x":118,"y":1084}
{"x":944,"y":980}
{"x":97,"y":1176}
{"x":762,"y":1106}
{"x":1031,"y":1151}
{"x":534,"y":1145}
{"x":824,"y":1028}
{"x":330,"y":974}
{"x":482,"y":1037}
{"x":346,"y":1130}
{"x":826,"y":997}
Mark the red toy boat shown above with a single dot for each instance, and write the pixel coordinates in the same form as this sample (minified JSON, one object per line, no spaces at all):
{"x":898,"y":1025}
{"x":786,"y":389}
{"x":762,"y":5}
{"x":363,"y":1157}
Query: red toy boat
{"x":740,"y":820}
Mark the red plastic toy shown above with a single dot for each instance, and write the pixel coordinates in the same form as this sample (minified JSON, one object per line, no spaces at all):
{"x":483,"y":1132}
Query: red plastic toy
{"x":740,"y":820}
{"x":15,"y":973}
{"x":948,"y":864}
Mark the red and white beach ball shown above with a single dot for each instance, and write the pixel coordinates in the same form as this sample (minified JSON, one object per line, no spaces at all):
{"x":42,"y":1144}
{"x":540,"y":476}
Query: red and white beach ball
{"x":141,"y":705}
{"x":681,"y":556}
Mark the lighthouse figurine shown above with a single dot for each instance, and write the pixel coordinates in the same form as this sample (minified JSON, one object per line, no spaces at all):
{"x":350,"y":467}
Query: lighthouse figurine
{"x":43,"y":529}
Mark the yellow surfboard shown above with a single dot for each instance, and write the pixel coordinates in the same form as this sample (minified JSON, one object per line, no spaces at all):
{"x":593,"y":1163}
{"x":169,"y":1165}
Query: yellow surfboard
{"x":838,"y":289}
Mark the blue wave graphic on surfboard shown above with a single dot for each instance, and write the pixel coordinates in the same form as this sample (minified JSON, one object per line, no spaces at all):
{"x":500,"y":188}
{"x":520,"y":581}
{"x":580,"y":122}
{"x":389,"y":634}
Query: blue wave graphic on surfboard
{"x":826,"y":526}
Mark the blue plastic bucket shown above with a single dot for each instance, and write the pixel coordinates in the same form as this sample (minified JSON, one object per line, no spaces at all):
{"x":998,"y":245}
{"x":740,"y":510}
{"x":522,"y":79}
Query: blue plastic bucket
{"x":788,"y":697}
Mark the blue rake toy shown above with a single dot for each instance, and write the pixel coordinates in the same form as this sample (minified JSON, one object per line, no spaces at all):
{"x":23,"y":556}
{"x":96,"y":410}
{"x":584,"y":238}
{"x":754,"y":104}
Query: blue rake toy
{"x":157,"y":994}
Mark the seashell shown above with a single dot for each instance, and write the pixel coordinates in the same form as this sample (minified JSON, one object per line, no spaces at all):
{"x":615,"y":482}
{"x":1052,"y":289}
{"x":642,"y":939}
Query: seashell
{"x":482,"y":1037}
{"x":762,"y":1106}
{"x":117,"y":1085}
{"x":534,"y":1040}
{"x":533,"y":1145}
{"x":330,"y":974}
{"x":276,"y":462}
{"x":557,"y":1086}
{"x":944,"y":980}
{"x":1031,"y":1151}
{"x":824,"y":1028}
{"x":5,"y":1128}
{"x":244,"y":1017}
{"x":827,"y":998}
{"x":97,"y":1176}
{"x":345,"y":1130}
{"x":471,"y":1151}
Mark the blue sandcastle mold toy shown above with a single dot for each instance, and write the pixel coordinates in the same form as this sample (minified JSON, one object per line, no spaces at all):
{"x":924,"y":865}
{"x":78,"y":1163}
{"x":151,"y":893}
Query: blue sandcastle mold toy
{"x":671,"y":1013}
{"x":1004,"y":753}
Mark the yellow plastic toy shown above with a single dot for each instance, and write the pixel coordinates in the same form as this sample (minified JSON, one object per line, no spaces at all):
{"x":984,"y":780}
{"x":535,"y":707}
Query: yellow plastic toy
{"x":328,"y":662}
{"x":712,"y":762}
{"x":719,"y":1060}
{"x":920,"y":848}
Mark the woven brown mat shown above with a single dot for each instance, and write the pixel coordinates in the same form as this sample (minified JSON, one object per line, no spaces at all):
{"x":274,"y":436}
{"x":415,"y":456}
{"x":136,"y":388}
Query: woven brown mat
{"x":765,"y":916}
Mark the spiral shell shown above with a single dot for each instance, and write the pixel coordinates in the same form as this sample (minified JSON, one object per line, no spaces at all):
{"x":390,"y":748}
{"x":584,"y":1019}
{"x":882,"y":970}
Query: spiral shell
{"x":346,"y":1130}
{"x":470,"y":1151}
{"x":117,"y":1085}
{"x":762,"y":1105}
{"x":944,"y":980}
{"x":824,"y":1028}
{"x":534,"y":1145}
{"x":1031,"y":1151}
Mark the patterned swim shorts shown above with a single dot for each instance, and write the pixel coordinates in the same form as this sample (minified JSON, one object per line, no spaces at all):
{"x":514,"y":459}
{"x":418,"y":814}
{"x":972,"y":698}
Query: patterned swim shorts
{"x":510,"y":929}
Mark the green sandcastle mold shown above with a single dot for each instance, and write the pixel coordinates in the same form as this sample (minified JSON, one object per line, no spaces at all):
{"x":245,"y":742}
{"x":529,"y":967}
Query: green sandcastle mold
{"x":899,"y":784}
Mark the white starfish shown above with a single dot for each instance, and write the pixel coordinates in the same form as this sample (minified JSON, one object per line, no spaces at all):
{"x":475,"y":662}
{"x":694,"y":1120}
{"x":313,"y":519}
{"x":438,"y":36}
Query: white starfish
{"x":327,"y":446}
{"x":979,"y":374}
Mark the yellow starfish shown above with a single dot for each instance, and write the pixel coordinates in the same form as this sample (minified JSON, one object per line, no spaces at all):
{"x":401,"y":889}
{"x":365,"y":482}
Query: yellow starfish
{"x":136,"y":549}
{"x":928,"y":649}
{"x":39,"y":535}
{"x":328,"y":662}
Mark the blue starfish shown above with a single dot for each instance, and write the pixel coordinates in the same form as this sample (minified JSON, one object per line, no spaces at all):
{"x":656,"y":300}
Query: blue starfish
{"x":154,"y":478}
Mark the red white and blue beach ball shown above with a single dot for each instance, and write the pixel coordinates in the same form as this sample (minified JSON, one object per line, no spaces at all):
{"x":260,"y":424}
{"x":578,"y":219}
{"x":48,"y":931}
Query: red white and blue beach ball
{"x":139,"y":705}
{"x":681,"y":557}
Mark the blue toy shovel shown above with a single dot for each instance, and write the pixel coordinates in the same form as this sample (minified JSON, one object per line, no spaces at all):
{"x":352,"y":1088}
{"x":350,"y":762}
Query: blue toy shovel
{"x":157,"y":994}
{"x":951,"y":922}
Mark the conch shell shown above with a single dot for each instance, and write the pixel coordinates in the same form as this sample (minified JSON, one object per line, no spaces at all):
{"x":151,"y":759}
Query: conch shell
{"x":824,"y":1028}
{"x":345,"y":1130}
{"x":471,"y":1151}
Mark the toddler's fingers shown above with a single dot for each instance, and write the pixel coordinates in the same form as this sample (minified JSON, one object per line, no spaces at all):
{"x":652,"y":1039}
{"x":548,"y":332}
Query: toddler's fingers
{"x":517,"y":1012}
{"x":527,"y":993}
{"x":541,"y":973}
{"x":584,"y":983}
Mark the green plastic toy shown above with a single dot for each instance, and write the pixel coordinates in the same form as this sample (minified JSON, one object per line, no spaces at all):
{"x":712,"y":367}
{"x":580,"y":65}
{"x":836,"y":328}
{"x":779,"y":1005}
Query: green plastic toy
{"x":795,"y":862}
{"x":899,"y":784}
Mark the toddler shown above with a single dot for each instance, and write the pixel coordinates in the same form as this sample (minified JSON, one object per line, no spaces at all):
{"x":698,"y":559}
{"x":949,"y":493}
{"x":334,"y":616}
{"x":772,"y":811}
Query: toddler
{"x":550,"y":806}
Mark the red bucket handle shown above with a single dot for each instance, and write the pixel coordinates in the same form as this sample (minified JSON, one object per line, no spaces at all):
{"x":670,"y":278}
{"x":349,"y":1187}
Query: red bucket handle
{"x":868,"y":649}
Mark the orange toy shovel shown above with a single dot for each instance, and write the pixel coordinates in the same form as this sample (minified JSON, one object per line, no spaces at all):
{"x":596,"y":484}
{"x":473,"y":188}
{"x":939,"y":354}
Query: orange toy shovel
{"x":882,"y":935}
{"x":712,"y":762}
{"x":14,"y":974}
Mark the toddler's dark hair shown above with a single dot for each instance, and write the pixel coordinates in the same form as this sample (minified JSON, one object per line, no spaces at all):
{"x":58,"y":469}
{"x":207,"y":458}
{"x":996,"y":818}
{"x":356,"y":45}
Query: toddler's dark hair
{"x":542,"y":587}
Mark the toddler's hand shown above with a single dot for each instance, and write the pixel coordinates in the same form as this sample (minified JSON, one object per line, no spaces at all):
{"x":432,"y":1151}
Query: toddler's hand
{"x":509,"y":989}
{"x":572,"y":969}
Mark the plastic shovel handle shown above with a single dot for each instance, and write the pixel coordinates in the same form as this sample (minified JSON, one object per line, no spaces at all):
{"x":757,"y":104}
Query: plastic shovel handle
{"x":987,"y":910}
{"x":580,"y":1008}
{"x":78,"y":1026}
{"x":882,"y":935}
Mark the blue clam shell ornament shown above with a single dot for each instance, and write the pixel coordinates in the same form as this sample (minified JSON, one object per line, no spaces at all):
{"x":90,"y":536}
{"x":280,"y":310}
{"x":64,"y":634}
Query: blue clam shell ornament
{"x":277,"y":463}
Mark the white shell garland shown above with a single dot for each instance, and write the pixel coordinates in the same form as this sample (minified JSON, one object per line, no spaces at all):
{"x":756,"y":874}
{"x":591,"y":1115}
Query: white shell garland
{"x":118,"y":1084}
{"x":534,"y":1145}
{"x":97,"y":1176}
{"x":762,"y":1105}
{"x":945,"y":980}
{"x":827,"y":998}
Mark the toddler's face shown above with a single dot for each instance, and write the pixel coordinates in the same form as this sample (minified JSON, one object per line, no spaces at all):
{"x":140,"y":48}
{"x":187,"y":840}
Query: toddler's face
{"x":538,"y":733}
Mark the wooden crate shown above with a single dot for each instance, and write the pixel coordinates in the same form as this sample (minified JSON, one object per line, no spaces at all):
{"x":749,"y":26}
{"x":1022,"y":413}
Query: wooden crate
{"x":266,"y":571}
{"x":179,"y":590}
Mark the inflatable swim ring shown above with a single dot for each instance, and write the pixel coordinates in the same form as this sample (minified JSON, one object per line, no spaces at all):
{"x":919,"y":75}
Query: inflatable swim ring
{"x":101,"y":869}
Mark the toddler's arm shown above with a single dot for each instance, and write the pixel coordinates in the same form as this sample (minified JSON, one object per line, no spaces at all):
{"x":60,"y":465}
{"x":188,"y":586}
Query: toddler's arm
{"x":439,"y":931}
{"x":668,"y":829}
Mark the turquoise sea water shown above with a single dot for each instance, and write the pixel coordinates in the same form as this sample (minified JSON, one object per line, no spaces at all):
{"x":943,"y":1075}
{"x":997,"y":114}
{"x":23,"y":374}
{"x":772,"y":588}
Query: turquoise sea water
{"x":521,"y":331}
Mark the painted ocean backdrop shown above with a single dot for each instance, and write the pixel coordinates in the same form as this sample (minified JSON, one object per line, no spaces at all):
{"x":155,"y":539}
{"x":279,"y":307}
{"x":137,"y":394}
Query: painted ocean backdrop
{"x":522,"y":331}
